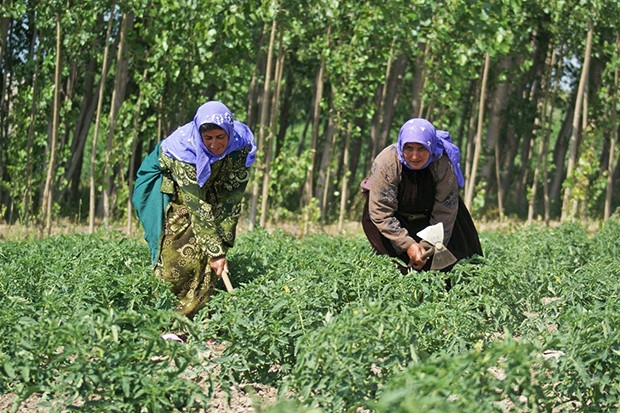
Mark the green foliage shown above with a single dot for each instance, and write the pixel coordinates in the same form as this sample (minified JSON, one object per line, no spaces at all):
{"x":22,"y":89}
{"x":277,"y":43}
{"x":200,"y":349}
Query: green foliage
{"x":81,"y":323}
{"x":348,"y":358}
{"x":287,"y":175}
{"x":590,"y":343}
{"x":177,"y":54}
{"x":506,"y":376}
{"x":320,"y":271}
{"x":531,"y":326}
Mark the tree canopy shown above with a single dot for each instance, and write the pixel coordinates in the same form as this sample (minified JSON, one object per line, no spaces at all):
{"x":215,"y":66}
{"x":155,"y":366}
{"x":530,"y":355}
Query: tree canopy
{"x":528,"y":90}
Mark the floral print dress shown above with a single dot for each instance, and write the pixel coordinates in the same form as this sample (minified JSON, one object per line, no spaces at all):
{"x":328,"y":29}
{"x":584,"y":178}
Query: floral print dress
{"x":199,"y":225}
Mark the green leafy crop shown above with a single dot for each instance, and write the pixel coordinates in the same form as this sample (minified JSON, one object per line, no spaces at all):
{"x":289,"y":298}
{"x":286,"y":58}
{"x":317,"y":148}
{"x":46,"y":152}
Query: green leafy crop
{"x":531,"y":326}
{"x":80,"y":324}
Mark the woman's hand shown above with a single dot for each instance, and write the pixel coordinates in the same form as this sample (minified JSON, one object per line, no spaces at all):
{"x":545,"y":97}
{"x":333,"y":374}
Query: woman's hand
{"x":219,"y":265}
{"x":416,"y":259}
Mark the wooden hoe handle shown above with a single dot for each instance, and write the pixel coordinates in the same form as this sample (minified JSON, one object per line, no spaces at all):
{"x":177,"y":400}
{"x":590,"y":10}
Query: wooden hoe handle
{"x":227,"y":283}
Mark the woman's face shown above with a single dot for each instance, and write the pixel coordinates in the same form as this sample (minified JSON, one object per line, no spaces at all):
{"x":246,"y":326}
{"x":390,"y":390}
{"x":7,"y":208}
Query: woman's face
{"x":416,"y":155}
{"x":216,"y":140}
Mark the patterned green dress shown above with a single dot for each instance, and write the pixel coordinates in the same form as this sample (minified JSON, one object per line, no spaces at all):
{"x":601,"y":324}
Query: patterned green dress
{"x":199,"y":225}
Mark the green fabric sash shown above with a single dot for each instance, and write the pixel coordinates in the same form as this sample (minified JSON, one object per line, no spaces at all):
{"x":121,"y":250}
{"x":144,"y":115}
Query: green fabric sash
{"x":149,"y":202}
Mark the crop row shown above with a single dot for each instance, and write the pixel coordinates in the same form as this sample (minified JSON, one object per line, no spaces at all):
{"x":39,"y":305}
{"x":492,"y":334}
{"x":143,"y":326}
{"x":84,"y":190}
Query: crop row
{"x":531,"y":326}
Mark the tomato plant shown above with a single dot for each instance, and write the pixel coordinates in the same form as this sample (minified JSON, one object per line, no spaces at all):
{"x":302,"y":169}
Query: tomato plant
{"x":531,"y":326}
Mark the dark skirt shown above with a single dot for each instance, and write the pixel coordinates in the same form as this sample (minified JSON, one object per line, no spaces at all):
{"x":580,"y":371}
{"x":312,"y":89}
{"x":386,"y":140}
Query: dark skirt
{"x":464,"y":242}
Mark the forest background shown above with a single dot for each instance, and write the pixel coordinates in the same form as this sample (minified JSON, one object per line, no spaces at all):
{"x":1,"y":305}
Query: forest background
{"x":528,"y":90}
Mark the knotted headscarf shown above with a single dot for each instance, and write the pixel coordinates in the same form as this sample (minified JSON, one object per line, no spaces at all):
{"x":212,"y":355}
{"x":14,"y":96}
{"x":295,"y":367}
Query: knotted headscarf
{"x":186,"y":145}
{"x":418,"y":130}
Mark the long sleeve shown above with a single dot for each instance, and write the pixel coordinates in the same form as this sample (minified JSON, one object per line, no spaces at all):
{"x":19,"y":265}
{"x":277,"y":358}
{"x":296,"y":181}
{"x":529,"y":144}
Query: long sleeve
{"x":226,"y":196}
{"x":383,"y":198}
{"x":446,"y":196}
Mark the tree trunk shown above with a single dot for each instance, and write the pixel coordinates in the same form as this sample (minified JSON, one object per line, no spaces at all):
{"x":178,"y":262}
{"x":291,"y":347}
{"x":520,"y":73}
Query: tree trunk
{"x":344,"y":181}
{"x":585,"y":183}
{"x":568,"y":211}
{"x":73,"y":165}
{"x":539,"y":159}
{"x":393,"y":82}
{"x":4,"y":30}
{"x":48,"y":192}
{"x":132,"y":160}
{"x":270,"y":141}
{"x":356,"y":163}
{"x":496,"y":122}
{"x":118,"y":96}
{"x":5,"y":22}
{"x":5,"y":88}
{"x":559,"y":159}
{"x":471,"y":184}
{"x":545,"y":105}
{"x":531,"y":88}
{"x":93,"y":155}
{"x":418,"y":82}
{"x":325,"y":170}
{"x":35,"y":97}
{"x":613,"y":141}
{"x":498,"y":178}
{"x":471,"y":128}
{"x":302,"y":138}
{"x":308,"y":192}
{"x":263,"y":139}
{"x":253,"y":91}
{"x":284,"y":110}
{"x":547,"y":138}
{"x":375,"y":127}
{"x":386,"y":99}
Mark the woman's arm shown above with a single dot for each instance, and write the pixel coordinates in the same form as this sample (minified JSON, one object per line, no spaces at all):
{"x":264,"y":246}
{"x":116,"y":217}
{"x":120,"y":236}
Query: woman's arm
{"x":227,"y":196}
{"x":446,"y":196}
{"x":383,"y":199}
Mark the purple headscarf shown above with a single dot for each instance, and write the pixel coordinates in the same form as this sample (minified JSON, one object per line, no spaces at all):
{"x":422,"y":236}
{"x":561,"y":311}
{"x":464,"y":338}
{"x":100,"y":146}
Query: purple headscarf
{"x":185,"y":144}
{"x":418,"y":130}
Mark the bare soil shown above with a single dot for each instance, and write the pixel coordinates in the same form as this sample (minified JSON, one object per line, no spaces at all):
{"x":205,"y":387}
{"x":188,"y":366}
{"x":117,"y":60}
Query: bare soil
{"x":244,"y":399}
